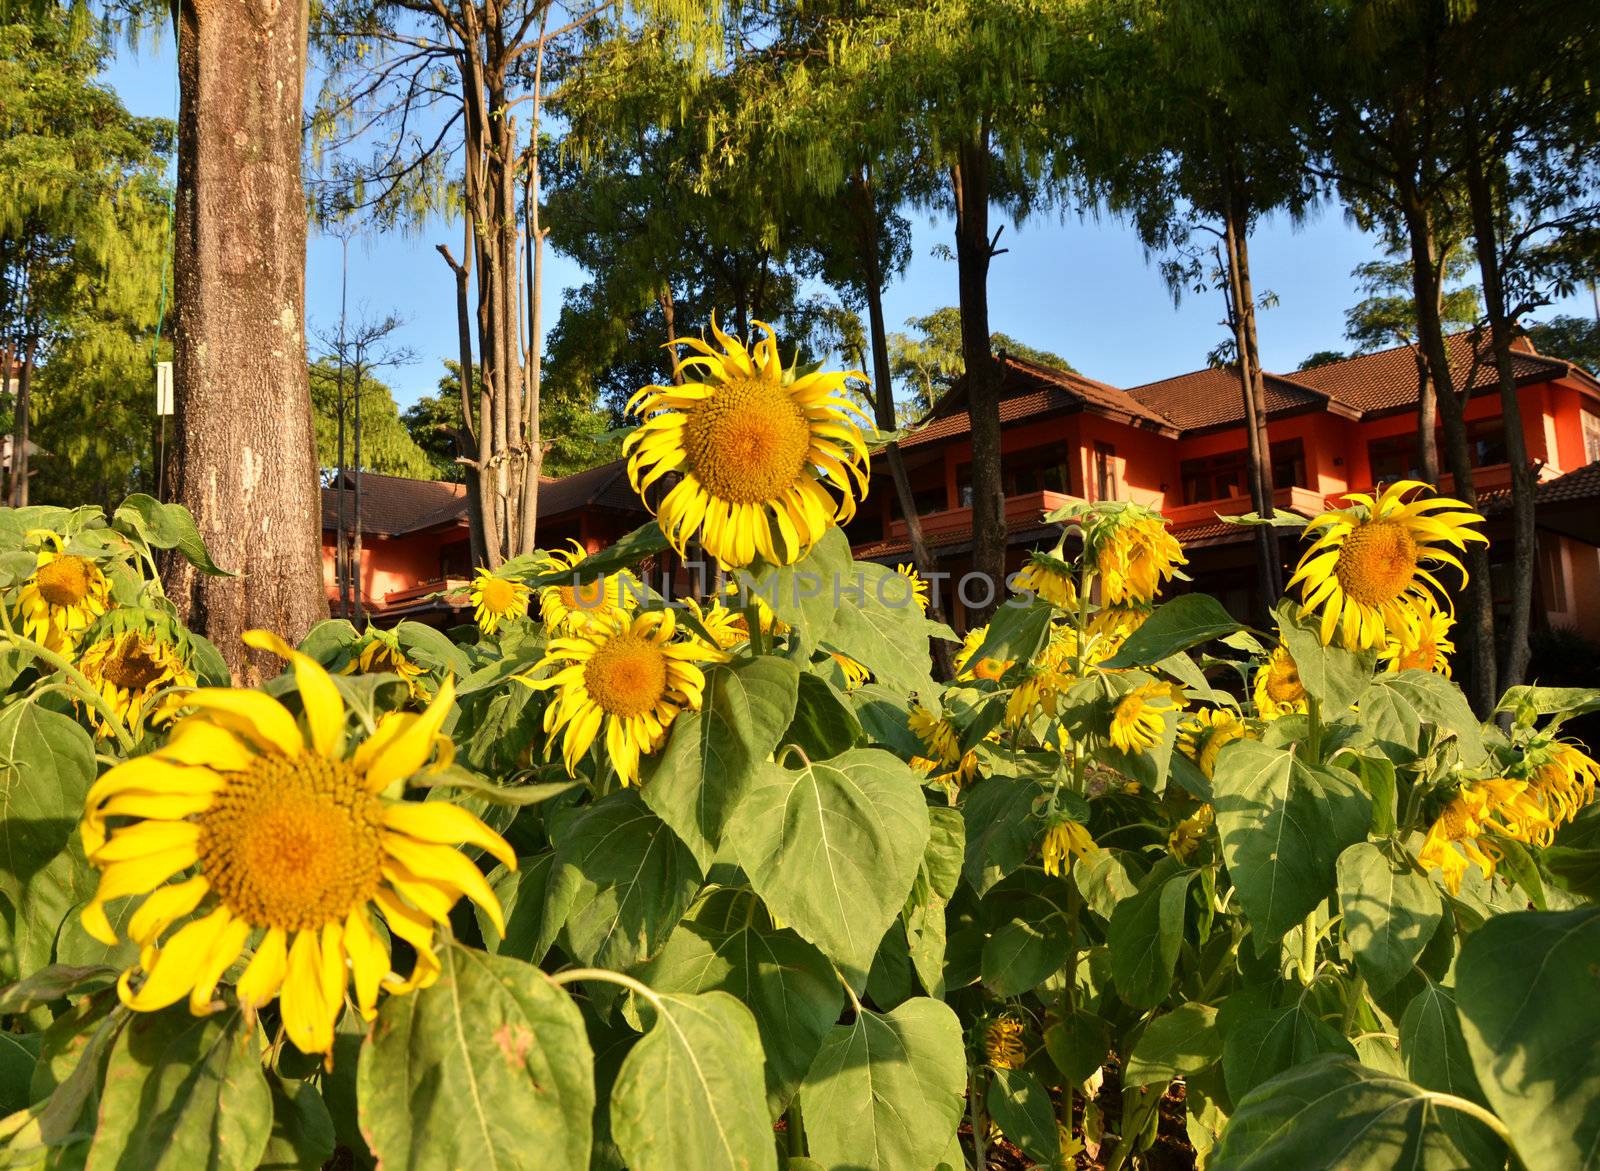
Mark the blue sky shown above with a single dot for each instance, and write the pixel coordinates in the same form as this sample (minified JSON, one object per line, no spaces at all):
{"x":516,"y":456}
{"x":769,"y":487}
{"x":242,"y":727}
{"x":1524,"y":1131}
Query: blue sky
{"x":1081,"y":287}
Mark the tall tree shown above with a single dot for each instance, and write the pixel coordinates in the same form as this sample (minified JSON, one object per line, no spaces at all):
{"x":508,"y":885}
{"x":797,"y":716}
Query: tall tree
{"x":246,"y":453}
{"x":926,"y":359}
{"x":1576,"y":339}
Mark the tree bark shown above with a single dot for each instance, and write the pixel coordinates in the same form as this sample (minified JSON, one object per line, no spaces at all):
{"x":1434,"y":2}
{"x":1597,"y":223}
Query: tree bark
{"x":1427,"y":422}
{"x":1241,"y":297}
{"x":1524,"y":535}
{"x":974,"y":249}
{"x":1427,"y":277}
{"x":466,"y":435}
{"x":245,"y":455}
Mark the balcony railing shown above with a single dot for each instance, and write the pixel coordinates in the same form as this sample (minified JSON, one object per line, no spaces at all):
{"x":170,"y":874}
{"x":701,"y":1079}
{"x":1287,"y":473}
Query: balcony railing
{"x":1021,"y":512}
{"x":1301,"y":500}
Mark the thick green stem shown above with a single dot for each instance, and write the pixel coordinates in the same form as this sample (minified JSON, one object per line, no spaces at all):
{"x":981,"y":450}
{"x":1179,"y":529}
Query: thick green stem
{"x":796,"y":1128}
{"x":1472,"y":1110}
{"x":980,"y":1144}
{"x":1308,"y":949}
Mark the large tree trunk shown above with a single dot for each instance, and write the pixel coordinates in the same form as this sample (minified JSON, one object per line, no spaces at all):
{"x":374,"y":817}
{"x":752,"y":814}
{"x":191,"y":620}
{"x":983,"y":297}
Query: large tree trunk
{"x":1252,"y":387}
{"x":1524,"y":535}
{"x":974,"y":249}
{"x":1427,"y":423}
{"x":245,"y":456}
{"x":1477,"y":617}
{"x":466,"y":435}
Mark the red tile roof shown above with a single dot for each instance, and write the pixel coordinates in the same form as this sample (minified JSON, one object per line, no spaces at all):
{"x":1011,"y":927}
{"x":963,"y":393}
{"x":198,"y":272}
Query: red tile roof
{"x":1213,"y":398}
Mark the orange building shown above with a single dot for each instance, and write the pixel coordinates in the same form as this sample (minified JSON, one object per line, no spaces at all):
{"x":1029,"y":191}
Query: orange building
{"x":1177,"y":445}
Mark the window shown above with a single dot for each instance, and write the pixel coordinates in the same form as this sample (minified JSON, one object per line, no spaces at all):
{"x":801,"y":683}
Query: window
{"x":1289,"y":464}
{"x":1214,"y":477}
{"x":1394,"y":457}
{"x":1591,"y":437}
{"x":455,"y":560}
{"x":1486,"y":442}
{"x":1105,"y":471}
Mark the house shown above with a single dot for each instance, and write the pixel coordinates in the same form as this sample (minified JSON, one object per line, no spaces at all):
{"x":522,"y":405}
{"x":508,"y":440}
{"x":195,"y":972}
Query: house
{"x":1177,"y":444}
{"x":416,"y":541}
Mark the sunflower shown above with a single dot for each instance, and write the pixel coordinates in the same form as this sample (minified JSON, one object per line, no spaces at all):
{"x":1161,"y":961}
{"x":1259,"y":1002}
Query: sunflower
{"x":130,"y":669}
{"x":1278,"y":689}
{"x":985,"y":668}
{"x":1108,"y":630}
{"x":1134,"y":555}
{"x":1049,"y":578}
{"x":380,"y":654}
{"x":770,"y":458}
{"x":943,"y":743}
{"x":855,"y":673}
{"x":1137,"y":722}
{"x":919,"y":588}
{"x":628,"y":672}
{"x":1187,"y":835}
{"x":294,"y":841}
{"x":1045,"y":680}
{"x":62,"y":598}
{"x":1420,"y":642}
{"x":567,"y":607}
{"x":1562,"y":779}
{"x":1202,"y":736}
{"x":726,"y":627}
{"x":1002,"y":1043}
{"x":1482,"y":808}
{"x":1368,"y":568}
{"x":497,"y":599}
{"x":1064,"y":841}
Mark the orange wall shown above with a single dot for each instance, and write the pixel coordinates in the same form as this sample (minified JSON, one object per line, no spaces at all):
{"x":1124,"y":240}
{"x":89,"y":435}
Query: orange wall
{"x":390,"y":564}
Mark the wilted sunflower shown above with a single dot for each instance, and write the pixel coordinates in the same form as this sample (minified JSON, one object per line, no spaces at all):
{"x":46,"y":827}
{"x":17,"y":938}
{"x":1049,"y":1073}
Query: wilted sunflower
{"x":567,"y":606}
{"x":1002,"y":1043}
{"x":129,"y":669}
{"x":1187,"y":835}
{"x":1562,"y":779}
{"x":628,"y":673}
{"x":62,"y":598}
{"x":1050,"y":578}
{"x":855,"y":673}
{"x":1137,"y":723}
{"x":1420,"y":642}
{"x":726,"y":627}
{"x":985,"y":668}
{"x":1480,"y":810}
{"x":918,"y":587}
{"x":770,"y":458}
{"x":380,"y":654}
{"x":1202,"y":736}
{"x":943,"y":743}
{"x":1044,"y":680}
{"x":497,"y":599}
{"x":1368,"y":568}
{"x":1134,"y":556}
{"x":1064,"y":841}
{"x":291,"y":835}
{"x":1278,"y":690}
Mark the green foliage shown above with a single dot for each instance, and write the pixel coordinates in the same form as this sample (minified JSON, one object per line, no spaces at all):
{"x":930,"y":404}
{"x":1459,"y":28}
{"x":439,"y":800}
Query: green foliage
{"x":386,"y":445}
{"x":927,"y":361}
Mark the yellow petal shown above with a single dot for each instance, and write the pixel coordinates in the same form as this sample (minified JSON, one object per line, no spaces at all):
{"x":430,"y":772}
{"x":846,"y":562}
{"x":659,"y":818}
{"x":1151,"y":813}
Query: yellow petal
{"x":369,"y":960}
{"x":263,"y":976}
{"x":165,"y":907}
{"x":404,"y":753}
{"x":225,"y":949}
{"x":416,"y":929}
{"x":308,"y":1017}
{"x":441,"y":822}
{"x":256,"y":716}
{"x":145,"y":839}
{"x":445,"y":866}
{"x":318,"y":696}
{"x":132,"y":878}
{"x":198,"y":741}
{"x":176,"y":965}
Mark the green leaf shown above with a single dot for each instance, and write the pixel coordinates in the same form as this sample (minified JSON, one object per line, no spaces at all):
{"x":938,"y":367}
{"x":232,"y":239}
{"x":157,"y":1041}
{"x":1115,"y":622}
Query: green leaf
{"x":19,"y":1053}
{"x":57,"y":982}
{"x":887,"y":1089}
{"x":1021,"y":1108}
{"x":185,"y":1093}
{"x":1105,"y":878}
{"x":689,"y":1094}
{"x":522,"y":897}
{"x":803,"y":594}
{"x":1016,"y":632}
{"x":1335,"y":676}
{"x":1390,"y":912}
{"x":891,"y":641}
{"x":625,"y":552}
{"x":1267,"y":1030}
{"x":46,"y":767}
{"x":620,"y":882}
{"x":1283,"y":824}
{"x":712,"y":758}
{"x":1183,"y":1041}
{"x":489,"y":1067}
{"x":824,"y":723}
{"x":165,"y":526}
{"x":1186,"y":621}
{"x":947,"y":841}
{"x":1398,"y":706}
{"x":1021,"y":955}
{"x":884,"y":716}
{"x":302,"y":1129}
{"x":727,"y":943}
{"x":1436,"y":1058}
{"x":1333,"y":1114}
{"x":1077,"y":1044}
{"x":1528,"y":994}
{"x":1000,"y":828}
{"x":1146,"y":934}
{"x":833,"y":848}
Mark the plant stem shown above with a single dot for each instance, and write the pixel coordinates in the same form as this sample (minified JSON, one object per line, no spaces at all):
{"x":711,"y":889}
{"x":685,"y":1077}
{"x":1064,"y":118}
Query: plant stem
{"x":1472,"y":1110}
{"x":797,"y":1138}
{"x":1308,"y":949}
{"x":573,"y":975}
{"x":1314,"y":730}
{"x":980,"y":1145}
{"x":1354,"y":995}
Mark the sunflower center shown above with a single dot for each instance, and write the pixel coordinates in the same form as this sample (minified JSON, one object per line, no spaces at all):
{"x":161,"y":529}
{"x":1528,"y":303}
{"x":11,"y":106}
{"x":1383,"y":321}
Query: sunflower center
{"x":587,"y":596}
{"x":1376,"y":562}
{"x":132,"y":667}
{"x":1422,"y":657}
{"x":1454,"y":820}
{"x":293,"y":843}
{"x":746,"y":443}
{"x":1283,"y":683}
{"x":627,"y":676}
{"x":64,"y":581}
{"x":498,"y":594}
